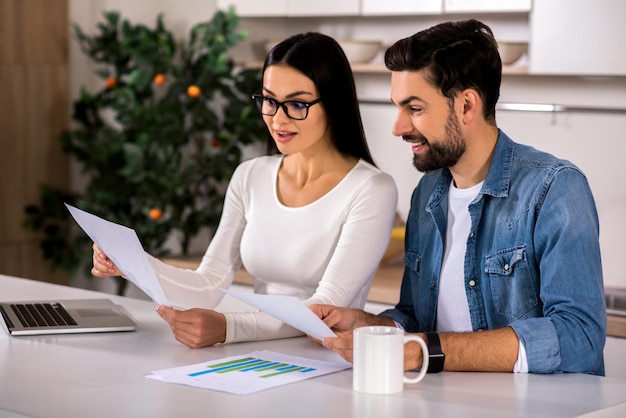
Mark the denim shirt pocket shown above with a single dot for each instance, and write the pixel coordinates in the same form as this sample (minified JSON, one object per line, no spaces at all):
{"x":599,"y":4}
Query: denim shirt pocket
{"x":511,"y":283}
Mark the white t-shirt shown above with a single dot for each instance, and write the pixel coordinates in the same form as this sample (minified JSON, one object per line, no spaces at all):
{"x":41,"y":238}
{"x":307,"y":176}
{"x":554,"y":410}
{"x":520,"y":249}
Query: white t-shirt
{"x":452,"y":307}
{"x":323,"y":252}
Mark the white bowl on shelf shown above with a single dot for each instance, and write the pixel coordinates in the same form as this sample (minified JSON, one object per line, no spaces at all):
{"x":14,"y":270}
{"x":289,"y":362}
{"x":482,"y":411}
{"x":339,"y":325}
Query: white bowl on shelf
{"x":511,"y":52}
{"x":357,"y":52}
{"x":360,"y":52}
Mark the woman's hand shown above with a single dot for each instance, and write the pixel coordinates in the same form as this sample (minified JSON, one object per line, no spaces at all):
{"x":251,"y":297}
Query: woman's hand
{"x":195,"y":327}
{"x":102,"y":265}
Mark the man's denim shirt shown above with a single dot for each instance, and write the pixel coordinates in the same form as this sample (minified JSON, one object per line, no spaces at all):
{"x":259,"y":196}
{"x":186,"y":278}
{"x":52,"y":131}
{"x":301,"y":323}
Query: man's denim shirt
{"x":532,"y":261}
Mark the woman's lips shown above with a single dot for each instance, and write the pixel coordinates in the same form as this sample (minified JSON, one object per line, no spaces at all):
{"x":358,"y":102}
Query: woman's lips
{"x":284,"y":136}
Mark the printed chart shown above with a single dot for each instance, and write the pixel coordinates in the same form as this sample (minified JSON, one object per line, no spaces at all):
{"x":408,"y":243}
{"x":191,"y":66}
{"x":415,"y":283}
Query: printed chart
{"x":248,"y":373}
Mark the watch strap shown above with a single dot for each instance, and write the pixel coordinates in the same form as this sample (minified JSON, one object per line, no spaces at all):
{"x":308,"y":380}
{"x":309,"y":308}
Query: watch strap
{"x":436,"y":357}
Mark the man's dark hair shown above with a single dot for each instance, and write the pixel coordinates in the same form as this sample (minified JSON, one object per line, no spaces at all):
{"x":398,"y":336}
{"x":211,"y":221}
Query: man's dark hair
{"x":456,"y":56}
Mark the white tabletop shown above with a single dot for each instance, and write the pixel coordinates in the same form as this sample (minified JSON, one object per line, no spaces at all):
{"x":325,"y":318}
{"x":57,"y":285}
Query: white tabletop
{"x":102,"y":375}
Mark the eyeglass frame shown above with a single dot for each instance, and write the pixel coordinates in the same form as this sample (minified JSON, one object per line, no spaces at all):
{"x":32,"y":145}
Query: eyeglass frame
{"x":283,"y":105}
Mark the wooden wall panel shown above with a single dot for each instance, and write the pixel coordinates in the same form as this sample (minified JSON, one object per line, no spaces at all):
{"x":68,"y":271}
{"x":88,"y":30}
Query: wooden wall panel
{"x":34,"y":31}
{"x":8,"y":32}
{"x":23,"y":259}
{"x":12,"y":146}
{"x":34,"y":110}
{"x":12,"y":109}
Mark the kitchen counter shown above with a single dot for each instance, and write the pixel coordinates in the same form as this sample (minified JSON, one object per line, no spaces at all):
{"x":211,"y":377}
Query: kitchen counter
{"x":616,"y":326}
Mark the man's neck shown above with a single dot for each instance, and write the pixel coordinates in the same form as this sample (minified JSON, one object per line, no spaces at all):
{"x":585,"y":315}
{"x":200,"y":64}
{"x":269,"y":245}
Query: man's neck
{"x":473,"y":166}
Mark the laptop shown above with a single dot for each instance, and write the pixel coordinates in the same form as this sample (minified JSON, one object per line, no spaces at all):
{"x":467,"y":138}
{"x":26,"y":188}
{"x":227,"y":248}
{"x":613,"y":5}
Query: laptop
{"x":64,"y":317}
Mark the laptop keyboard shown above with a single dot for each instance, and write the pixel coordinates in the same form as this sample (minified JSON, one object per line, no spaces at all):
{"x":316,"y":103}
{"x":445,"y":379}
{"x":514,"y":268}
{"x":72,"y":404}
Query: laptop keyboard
{"x":42,"y":315}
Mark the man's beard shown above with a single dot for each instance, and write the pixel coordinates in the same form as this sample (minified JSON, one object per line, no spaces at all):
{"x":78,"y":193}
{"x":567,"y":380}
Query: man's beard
{"x":444,"y":154}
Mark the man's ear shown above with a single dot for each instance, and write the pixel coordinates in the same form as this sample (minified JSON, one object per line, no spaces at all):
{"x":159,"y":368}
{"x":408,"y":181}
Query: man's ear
{"x":472,"y":105}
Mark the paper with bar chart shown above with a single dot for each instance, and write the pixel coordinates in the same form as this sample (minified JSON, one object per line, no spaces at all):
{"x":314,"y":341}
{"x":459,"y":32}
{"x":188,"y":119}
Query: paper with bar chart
{"x":248,"y":373}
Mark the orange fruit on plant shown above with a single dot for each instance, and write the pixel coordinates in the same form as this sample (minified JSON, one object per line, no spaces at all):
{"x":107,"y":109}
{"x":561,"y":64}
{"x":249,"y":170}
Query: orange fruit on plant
{"x":110,"y":82}
{"x":159,"y":79}
{"x":155,"y":214}
{"x":193,"y":91}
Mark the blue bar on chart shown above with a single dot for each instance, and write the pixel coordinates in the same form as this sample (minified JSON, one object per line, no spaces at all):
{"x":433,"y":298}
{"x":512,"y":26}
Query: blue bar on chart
{"x":249,"y":364}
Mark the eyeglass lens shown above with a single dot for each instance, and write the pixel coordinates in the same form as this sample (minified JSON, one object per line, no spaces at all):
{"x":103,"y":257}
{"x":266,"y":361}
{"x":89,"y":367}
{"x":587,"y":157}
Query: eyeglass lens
{"x":293,"y":109}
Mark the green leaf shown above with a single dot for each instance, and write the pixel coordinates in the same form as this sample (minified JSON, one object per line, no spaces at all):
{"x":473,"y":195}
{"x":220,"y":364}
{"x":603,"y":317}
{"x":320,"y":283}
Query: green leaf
{"x":141,"y":146}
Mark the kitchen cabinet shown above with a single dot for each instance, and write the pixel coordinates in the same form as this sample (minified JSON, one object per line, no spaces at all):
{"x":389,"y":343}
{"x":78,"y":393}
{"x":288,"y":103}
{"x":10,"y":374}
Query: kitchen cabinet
{"x":292,"y":8}
{"x":323,"y":8}
{"x":295,"y":8}
{"x":578,"y":37}
{"x":400,"y":7}
{"x":255,"y":8}
{"x":377,"y":20}
{"x":488,"y":6}
{"x":565,"y":37}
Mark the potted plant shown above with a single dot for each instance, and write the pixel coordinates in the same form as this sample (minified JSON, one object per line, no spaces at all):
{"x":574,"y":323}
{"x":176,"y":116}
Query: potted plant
{"x":158,"y":141}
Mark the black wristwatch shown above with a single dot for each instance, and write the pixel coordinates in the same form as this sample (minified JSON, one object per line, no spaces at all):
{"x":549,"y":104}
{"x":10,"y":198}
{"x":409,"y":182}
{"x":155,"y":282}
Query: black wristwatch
{"x":436,"y":358}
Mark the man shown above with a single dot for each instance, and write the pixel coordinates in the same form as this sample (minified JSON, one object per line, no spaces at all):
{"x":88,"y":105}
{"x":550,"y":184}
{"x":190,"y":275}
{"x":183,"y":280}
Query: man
{"x":502,"y":264}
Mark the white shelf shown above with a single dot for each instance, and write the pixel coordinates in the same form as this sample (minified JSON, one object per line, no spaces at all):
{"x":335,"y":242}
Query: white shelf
{"x":381,"y":69}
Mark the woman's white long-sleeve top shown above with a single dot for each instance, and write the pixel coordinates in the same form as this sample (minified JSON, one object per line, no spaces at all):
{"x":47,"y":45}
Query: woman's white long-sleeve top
{"x":324,"y":252}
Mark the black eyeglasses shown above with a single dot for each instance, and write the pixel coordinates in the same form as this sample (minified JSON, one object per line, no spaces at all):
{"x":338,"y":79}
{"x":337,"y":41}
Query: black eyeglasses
{"x":294,"y":109}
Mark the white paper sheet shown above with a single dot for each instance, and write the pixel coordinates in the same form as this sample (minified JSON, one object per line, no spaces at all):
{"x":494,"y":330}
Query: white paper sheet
{"x":123,"y":247}
{"x":288,"y":309}
{"x":248,"y":373}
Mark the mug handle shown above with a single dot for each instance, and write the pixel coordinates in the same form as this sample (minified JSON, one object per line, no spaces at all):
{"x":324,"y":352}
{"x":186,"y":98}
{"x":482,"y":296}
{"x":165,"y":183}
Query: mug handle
{"x":425,"y":354}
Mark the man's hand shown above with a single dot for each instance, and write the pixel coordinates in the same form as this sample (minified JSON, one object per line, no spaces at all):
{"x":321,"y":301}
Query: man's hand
{"x":343,"y":321}
{"x":338,"y":319}
{"x":195,"y":327}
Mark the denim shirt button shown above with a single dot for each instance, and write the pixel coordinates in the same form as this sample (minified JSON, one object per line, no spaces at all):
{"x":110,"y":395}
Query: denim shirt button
{"x":433,"y":285}
{"x":506,"y":267}
{"x":471,"y":234}
{"x":472,"y":283}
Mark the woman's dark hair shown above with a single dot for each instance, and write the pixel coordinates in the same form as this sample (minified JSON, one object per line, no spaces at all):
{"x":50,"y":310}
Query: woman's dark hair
{"x":320,"y":58}
{"x":457,"y":56}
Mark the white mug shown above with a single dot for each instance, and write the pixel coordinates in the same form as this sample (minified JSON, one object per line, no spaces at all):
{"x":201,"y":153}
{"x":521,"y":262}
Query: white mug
{"x":378,"y":359}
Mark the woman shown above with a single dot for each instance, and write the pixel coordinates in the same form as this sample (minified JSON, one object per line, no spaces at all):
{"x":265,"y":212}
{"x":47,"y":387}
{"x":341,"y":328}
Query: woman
{"x":312,"y":219}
